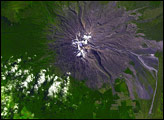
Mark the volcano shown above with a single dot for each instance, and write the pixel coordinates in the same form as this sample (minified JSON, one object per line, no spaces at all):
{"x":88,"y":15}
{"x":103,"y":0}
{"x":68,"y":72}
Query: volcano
{"x":96,"y":43}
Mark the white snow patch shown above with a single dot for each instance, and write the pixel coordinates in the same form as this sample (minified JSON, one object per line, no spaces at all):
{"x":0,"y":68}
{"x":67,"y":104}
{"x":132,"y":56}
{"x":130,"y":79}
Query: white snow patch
{"x":79,"y":44}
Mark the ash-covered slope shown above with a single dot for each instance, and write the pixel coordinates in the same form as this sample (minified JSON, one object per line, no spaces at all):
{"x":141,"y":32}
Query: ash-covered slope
{"x":96,"y":42}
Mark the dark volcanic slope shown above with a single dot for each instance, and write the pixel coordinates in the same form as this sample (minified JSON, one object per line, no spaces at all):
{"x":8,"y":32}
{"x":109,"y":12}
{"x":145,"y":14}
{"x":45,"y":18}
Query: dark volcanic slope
{"x":96,"y":42}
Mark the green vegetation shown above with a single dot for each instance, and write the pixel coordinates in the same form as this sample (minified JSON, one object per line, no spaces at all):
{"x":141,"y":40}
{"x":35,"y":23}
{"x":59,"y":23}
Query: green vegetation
{"x":25,"y":26}
{"x":120,"y":86}
{"x":128,"y":71}
{"x":81,"y":102}
{"x":12,"y":9}
{"x":149,"y":24}
{"x":153,"y":29}
{"x":158,"y":103}
{"x":24,"y":114}
{"x":131,"y":5}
